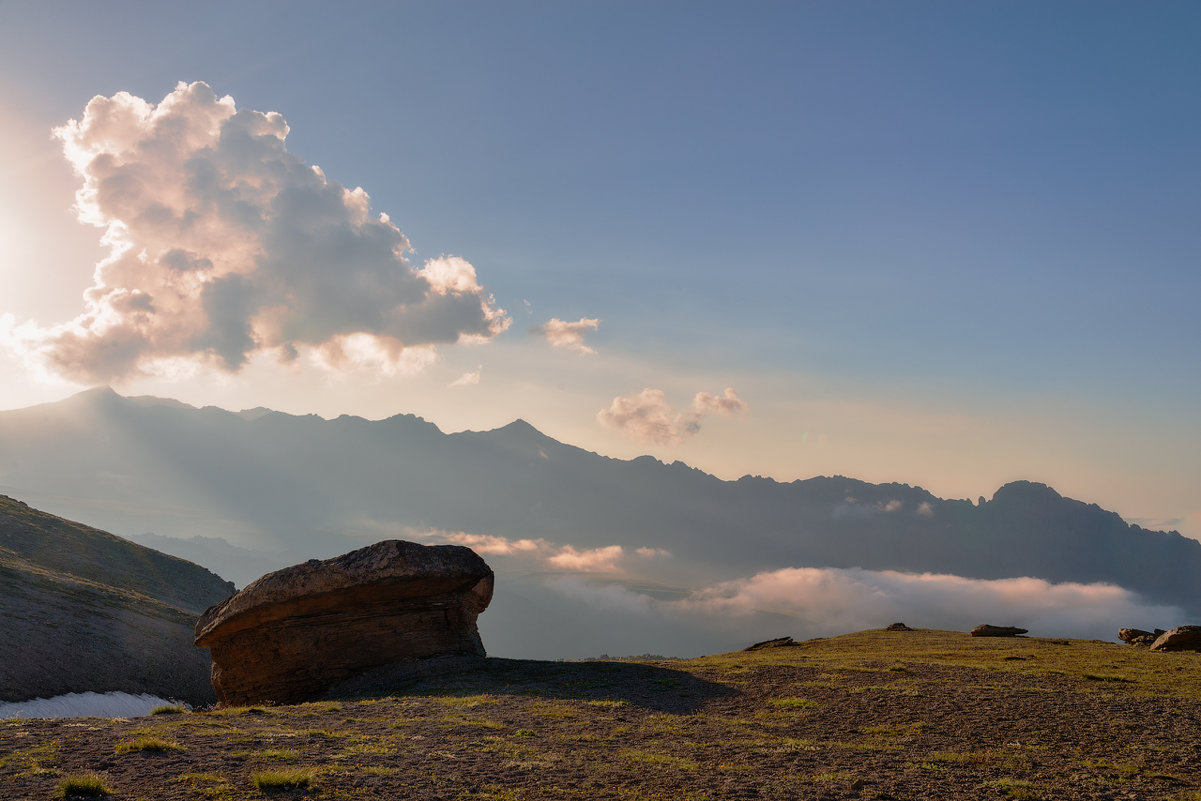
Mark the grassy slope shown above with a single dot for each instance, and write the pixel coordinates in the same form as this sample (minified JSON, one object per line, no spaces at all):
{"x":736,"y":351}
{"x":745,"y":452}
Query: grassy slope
{"x":912,"y":715}
{"x":70,"y":548}
{"x":81,"y":609}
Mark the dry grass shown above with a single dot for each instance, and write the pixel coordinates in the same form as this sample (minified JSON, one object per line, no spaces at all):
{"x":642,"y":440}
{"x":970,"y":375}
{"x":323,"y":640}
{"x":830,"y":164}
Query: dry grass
{"x":921,"y":714}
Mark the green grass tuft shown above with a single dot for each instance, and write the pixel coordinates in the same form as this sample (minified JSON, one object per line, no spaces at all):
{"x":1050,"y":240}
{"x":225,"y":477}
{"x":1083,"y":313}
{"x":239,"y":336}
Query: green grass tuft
{"x":1108,"y":677}
{"x":84,"y":785}
{"x":1012,"y":788}
{"x":151,"y":744}
{"x":295,"y":779}
{"x":172,"y":709}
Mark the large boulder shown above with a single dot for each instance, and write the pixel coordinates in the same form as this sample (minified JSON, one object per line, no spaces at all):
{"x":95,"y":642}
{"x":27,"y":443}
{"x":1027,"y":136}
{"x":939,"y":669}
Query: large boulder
{"x":1181,"y":638}
{"x":297,"y":632}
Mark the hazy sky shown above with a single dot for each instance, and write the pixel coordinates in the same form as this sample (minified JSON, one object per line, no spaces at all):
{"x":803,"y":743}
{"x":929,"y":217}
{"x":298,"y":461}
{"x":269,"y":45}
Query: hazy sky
{"x":947,"y":244}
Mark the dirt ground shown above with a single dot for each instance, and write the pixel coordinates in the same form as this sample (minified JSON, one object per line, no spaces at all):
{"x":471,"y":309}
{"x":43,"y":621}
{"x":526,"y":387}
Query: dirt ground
{"x":887,"y":715}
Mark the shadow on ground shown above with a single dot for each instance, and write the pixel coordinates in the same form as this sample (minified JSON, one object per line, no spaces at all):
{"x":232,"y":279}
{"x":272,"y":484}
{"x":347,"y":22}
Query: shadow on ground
{"x":649,"y":686}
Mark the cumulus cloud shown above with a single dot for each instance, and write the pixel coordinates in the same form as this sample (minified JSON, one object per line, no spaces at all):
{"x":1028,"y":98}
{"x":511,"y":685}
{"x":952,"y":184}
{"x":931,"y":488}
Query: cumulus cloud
{"x":222,"y":245}
{"x":468,"y":379}
{"x":564,"y":334}
{"x":594,"y":560}
{"x":726,"y":403}
{"x":646,"y":416}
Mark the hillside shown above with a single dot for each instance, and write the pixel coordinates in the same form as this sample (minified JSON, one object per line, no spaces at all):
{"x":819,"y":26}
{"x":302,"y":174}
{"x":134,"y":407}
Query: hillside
{"x":294,"y":488}
{"x":85,"y":610}
{"x":885,"y":715}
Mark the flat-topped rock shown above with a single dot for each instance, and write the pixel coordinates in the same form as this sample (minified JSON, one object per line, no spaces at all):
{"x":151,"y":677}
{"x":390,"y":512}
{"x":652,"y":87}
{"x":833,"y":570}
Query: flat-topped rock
{"x":1181,"y":638}
{"x":988,"y":630}
{"x":297,"y":632}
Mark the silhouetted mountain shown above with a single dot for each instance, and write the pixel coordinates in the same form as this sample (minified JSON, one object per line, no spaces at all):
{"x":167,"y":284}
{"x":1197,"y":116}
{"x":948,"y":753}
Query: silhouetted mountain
{"x":301,"y":486}
{"x":85,"y":610}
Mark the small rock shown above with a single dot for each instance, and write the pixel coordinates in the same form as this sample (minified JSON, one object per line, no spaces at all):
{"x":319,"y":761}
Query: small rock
{"x":1138,"y":636}
{"x":898,"y":627}
{"x":779,"y":642}
{"x":1181,"y":638}
{"x":987,"y":630}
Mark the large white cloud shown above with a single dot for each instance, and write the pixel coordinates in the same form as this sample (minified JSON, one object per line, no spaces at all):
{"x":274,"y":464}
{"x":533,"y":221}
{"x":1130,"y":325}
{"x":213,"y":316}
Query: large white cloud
{"x":222,"y":244}
{"x":646,"y":416}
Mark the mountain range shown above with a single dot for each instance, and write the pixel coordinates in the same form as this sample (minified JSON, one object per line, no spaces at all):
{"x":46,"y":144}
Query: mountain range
{"x":243,"y":492}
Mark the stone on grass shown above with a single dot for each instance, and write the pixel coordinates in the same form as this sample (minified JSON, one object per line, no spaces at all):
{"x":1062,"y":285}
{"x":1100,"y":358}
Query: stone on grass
{"x":295,"y":633}
{"x":1181,"y":638}
{"x":1139,"y":636}
{"x":897,"y":627}
{"x":988,"y":630}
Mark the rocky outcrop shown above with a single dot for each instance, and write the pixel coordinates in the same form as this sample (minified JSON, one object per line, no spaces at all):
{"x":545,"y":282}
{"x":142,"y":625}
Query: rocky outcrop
{"x":1181,"y":638}
{"x":1139,"y":636}
{"x":779,"y":642}
{"x":987,"y":630}
{"x":897,"y":627}
{"x":295,"y":633}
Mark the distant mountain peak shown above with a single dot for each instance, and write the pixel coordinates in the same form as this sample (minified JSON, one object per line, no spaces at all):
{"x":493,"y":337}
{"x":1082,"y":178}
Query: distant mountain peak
{"x":519,"y":426}
{"x":1026,"y":492}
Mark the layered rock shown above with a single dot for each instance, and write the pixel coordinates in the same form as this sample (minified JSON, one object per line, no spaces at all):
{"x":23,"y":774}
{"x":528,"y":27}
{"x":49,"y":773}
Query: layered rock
{"x":1139,"y":636}
{"x":1181,"y":638}
{"x":297,"y":632}
{"x":988,"y":630}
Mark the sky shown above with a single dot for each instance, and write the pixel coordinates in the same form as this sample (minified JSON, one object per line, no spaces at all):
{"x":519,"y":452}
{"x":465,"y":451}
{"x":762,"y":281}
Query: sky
{"x":944,"y":244}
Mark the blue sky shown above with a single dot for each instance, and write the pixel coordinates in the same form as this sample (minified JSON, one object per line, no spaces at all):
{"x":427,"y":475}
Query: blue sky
{"x":950,"y":244}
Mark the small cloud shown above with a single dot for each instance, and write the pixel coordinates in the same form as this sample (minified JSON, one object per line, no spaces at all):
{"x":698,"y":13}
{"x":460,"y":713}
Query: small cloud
{"x":646,"y":416}
{"x":651,"y":553}
{"x":589,"y":561}
{"x":924,"y":509}
{"x":563,"y":334}
{"x":489,"y":544}
{"x":727,"y":403}
{"x":468,"y":379}
{"x":893,"y":506}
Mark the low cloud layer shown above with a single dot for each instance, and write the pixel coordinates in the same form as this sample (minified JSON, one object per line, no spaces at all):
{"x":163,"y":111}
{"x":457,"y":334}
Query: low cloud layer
{"x":815,"y":602}
{"x":831,"y":600}
{"x":222,"y":245}
{"x":646,"y":416}
{"x":564,"y":334}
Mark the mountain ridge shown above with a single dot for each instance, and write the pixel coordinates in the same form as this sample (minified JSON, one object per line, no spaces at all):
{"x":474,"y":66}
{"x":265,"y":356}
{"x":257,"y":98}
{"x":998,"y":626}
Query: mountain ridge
{"x":305,"y":486}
